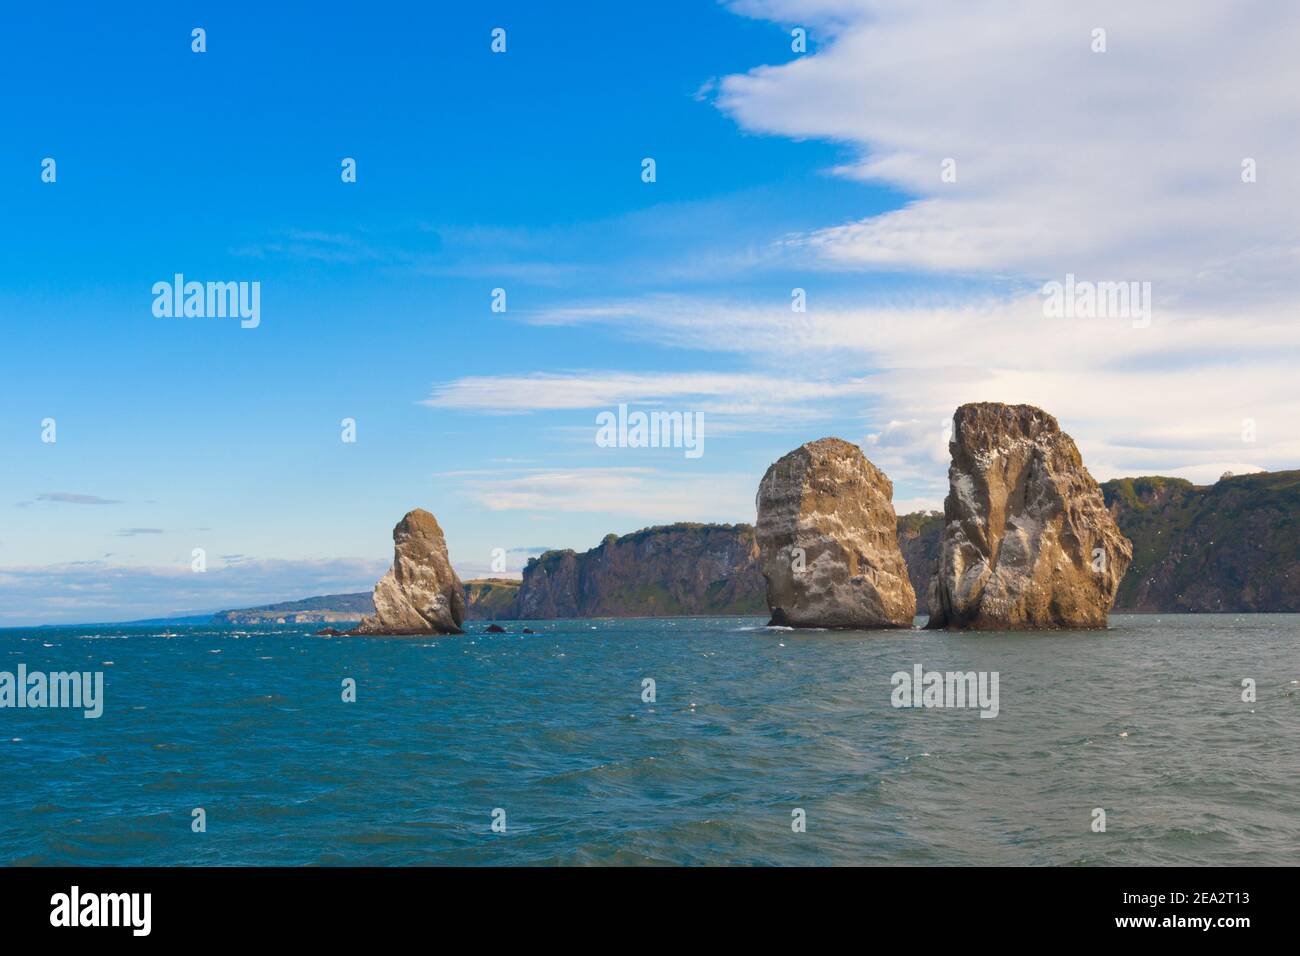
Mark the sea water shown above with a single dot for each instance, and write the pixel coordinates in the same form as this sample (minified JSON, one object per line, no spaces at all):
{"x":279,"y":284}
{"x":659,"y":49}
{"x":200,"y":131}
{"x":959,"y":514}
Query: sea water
{"x":670,"y":741}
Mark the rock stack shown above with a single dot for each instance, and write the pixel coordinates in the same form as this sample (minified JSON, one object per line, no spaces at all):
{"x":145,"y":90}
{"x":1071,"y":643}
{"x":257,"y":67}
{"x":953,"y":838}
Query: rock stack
{"x":827,"y":537}
{"x":420,"y":593}
{"x":1028,"y":541}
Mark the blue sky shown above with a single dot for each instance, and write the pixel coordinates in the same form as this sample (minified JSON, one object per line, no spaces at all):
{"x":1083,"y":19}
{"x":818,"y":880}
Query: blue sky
{"x":522,"y":171}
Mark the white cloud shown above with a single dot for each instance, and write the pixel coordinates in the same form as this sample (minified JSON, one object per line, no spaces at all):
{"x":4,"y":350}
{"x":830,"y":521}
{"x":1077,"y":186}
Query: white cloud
{"x":649,"y":494}
{"x":1124,"y":164}
{"x":1174,"y":395}
{"x":730,"y":402}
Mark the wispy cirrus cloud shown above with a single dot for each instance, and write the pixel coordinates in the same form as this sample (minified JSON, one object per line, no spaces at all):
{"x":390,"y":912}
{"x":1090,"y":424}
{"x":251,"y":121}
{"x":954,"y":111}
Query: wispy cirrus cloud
{"x":1125,"y":163}
{"x":1175,"y":396}
{"x":731,"y":402}
{"x":653,"y":494}
{"x":683,"y":242}
{"x":69,"y":498}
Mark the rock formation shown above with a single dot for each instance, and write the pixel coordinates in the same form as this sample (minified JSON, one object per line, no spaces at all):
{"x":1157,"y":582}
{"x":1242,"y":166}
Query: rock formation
{"x":420,"y":593}
{"x":676,"y":569}
{"x":1228,"y":547}
{"x":490,"y":599}
{"x":325,"y":609}
{"x":827,"y":536}
{"x":1028,"y":542}
{"x":918,"y":539}
{"x":549,"y":588}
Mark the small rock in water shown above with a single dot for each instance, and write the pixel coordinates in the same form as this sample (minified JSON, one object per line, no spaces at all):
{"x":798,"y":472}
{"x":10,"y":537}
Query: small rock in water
{"x":495,"y":629}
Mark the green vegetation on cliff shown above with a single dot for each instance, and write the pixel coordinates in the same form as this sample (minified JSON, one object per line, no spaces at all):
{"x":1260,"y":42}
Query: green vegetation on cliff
{"x":662,"y":571}
{"x":1230,"y":546}
{"x":487,"y":599}
{"x":325,"y":608}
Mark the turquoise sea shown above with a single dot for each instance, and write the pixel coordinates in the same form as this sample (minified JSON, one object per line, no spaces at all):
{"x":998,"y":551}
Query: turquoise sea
{"x":749,"y":725}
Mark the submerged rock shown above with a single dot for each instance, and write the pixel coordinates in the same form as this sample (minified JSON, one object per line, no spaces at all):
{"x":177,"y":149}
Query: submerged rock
{"x":494,"y":629}
{"x":1028,"y":541}
{"x":420,"y":593}
{"x":827,"y":537}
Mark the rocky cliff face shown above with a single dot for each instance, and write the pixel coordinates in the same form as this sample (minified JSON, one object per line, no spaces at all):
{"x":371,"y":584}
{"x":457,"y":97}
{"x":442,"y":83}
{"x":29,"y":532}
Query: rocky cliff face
{"x":420,"y":593}
{"x":918,"y":540}
{"x":549,"y":587}
{"x":1028,"y":541}
{"x":679,"y":569}
{"x":827,"y":536}
{"x":487,"y":599}
{"x":1232,"y":546}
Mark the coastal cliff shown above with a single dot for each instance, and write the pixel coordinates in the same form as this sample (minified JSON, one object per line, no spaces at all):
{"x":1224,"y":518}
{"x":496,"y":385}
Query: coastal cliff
{"x":678,"y":569}
{"x":490,"y":599}
{"x":918,"y":539}
{"x":1227,"y":547}
{"x":325,"y":609}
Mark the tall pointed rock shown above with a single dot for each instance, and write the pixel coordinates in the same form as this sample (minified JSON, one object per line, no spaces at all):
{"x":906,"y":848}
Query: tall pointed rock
{"x":420,"y":593}
{"x":1028,"y":542}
